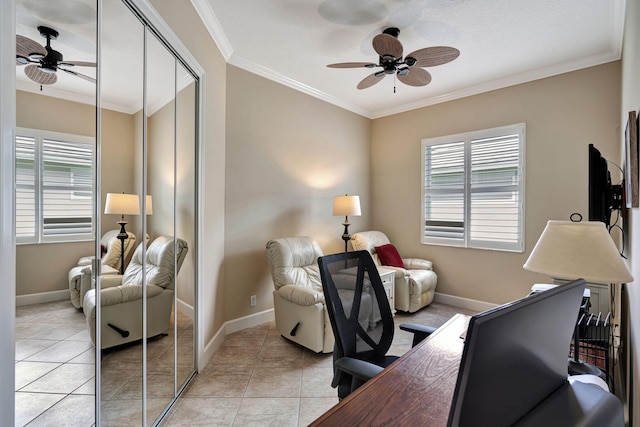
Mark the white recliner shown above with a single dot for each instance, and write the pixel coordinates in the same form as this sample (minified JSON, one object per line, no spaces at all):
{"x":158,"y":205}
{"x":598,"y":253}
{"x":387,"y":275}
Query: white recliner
{"x":80,"y":275}
{"x":121,"y":296}
{"x":298,"y":300}
{"x":415,"y":284}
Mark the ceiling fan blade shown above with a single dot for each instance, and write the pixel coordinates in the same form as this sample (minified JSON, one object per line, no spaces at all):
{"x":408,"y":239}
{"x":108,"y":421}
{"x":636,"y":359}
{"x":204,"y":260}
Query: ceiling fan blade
{"x":37,"y":75}
{"x":371,"y":79}
{"x":82,"y":76}
{"x":432,"y":56}
{"x":77,"y":64}
{"x":353,"y":65}
{"x":384,"y":44}
{"x":25,"y":47}
{"x":415,"y":77}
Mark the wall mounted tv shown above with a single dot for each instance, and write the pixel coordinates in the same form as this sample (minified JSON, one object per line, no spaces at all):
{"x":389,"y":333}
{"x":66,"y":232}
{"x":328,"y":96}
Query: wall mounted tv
{"x":604,"y":197}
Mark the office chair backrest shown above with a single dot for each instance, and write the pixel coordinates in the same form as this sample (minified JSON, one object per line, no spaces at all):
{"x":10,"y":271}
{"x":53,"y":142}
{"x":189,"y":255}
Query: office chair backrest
{"x":357,"y":304}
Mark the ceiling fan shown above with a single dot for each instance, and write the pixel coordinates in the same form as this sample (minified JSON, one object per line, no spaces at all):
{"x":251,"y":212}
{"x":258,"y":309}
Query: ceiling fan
{"x":409,"y":70}
{"x":43,"y":61}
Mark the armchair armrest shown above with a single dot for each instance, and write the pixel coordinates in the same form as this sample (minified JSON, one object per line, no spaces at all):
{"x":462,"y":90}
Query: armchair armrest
{"x":419,"y":332}
{"x":417,"y":264}
{"x":300,"y":295}
{"x":110,"y":281}
{"x":126,"y":293}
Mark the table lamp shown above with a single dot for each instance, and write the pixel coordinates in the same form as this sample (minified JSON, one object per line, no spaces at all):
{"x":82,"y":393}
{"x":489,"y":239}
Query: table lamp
{"x":578,"y":250}
{"x":344,"y":206}
{"x":122,"y":204}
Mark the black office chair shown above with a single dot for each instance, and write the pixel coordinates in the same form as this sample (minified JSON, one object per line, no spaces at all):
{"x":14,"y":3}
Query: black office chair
{"x":360,"y":317}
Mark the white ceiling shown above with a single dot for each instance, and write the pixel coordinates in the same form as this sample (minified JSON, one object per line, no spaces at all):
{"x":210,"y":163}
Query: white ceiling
{"x":291,"y":41}
{"x":501,"y":43}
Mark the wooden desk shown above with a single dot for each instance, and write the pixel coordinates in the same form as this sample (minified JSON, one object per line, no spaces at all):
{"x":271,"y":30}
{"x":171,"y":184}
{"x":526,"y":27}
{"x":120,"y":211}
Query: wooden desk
{"x":416,"y":390}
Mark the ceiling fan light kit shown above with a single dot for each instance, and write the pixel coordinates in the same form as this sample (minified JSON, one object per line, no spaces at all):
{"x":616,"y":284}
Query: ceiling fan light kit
{"x":43,"y":62}
{"x":408,"y":70}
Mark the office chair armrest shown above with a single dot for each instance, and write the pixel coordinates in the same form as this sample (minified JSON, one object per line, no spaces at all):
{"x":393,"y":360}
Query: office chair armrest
{"x":358,"y":368}
{"x":419,"y":332}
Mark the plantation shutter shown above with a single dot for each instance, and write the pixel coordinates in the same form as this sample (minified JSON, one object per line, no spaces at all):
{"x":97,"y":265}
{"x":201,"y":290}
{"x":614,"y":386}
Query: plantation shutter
{"x":444,"y":191}
{"x":495,"y":182}
{"x":26,"y":194}
{"x":67,"y":187}
{"x":473,"y":189}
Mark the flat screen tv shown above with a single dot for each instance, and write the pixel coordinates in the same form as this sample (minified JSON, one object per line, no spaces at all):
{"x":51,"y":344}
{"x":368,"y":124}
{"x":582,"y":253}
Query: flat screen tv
{"x":604,"y":197}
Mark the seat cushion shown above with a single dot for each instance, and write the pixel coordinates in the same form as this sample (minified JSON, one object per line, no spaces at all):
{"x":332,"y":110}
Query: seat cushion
{"x":388,"y":255}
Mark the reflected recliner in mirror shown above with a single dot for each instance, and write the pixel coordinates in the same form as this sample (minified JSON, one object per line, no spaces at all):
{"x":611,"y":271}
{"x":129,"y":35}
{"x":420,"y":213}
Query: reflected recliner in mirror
{"x":120,"y":295}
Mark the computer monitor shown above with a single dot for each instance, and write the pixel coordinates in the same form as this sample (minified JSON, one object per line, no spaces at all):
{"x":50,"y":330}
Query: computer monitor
{"x":514,"y":356}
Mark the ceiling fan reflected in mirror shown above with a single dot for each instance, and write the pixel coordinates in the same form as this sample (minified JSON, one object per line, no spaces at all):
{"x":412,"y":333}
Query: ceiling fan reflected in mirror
{"x":43,"y":62}
{"x":409,"y":69}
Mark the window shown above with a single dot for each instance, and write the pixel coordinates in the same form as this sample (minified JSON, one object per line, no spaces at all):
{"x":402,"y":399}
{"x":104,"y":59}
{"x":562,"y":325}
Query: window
{"x":54,"y":186}
{"x":473,"y":189}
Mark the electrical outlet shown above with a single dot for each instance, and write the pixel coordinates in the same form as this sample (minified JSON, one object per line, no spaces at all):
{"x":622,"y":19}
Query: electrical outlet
{"x":253,"y":301}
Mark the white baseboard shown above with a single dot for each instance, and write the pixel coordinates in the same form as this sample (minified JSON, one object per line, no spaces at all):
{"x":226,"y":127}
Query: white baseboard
{"x":249,"y":321}
{"x":185,"y":308}
{"x":210,"y":348}
{"x":42,"y":297}
{"x":461,"y":302}
{"x":230,"y":327}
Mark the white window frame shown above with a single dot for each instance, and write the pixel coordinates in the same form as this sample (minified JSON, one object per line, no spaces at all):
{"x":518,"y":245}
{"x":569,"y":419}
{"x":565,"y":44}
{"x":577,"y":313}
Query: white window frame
{"x":39,"y":236}
{"x":464,"y":238}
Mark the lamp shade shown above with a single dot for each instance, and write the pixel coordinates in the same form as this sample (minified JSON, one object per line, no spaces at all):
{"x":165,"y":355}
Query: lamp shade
{"x":573,"y":250}
{"x":122,"y":204}
{"x":149,"y":205}
{"x":346,"y":205}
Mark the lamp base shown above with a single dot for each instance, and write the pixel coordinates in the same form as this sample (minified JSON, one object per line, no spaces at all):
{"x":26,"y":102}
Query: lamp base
{"x":346,"y":236}
{"x":582,"y":368}
{"x":122,"y":236}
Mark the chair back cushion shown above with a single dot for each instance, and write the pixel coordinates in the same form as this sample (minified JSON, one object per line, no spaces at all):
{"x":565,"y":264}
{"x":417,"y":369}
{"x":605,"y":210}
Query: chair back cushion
{"x":368,"y":240}
{"x":111,"y":242}
{"x":163,"y":256}
{"x":294,"y":261}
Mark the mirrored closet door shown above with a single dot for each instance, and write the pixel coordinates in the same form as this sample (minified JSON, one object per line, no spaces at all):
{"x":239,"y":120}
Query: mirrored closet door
{"x":123,"y":136}
{"x":148,"y":339}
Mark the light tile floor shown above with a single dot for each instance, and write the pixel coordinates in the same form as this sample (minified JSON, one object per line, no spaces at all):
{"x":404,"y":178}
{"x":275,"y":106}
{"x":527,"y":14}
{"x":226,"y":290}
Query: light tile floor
{"x":257,"y":378}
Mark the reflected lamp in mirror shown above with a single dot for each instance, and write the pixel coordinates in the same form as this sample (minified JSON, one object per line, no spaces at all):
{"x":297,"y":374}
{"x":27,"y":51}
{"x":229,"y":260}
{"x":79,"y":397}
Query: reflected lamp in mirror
{"x":149,"y":205}
{"x":122,"y":204}
{"x":344,"y":206}
{"x":578,"y":250}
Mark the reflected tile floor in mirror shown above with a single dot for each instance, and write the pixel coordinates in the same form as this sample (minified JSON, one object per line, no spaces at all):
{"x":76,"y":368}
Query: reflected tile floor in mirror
{"x":55,"y":370}
{"x":55,"y":366}
{"x":258,"y":378}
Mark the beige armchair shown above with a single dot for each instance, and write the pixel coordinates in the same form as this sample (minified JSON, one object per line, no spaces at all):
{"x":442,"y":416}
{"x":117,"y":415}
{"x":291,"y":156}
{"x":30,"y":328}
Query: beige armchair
{"x":121,"y":296}
{"x":80,"y":275}
{"x":415,"y":282}
{"x":298,"y":301}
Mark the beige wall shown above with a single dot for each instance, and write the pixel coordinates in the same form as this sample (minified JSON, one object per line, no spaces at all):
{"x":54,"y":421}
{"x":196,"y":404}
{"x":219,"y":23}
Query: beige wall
{"x":184,"y":21}
{"x":44,"y":268}
{"x":288,"y":155}
{"x":563,"y":115}
{"x":631,"y":299}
